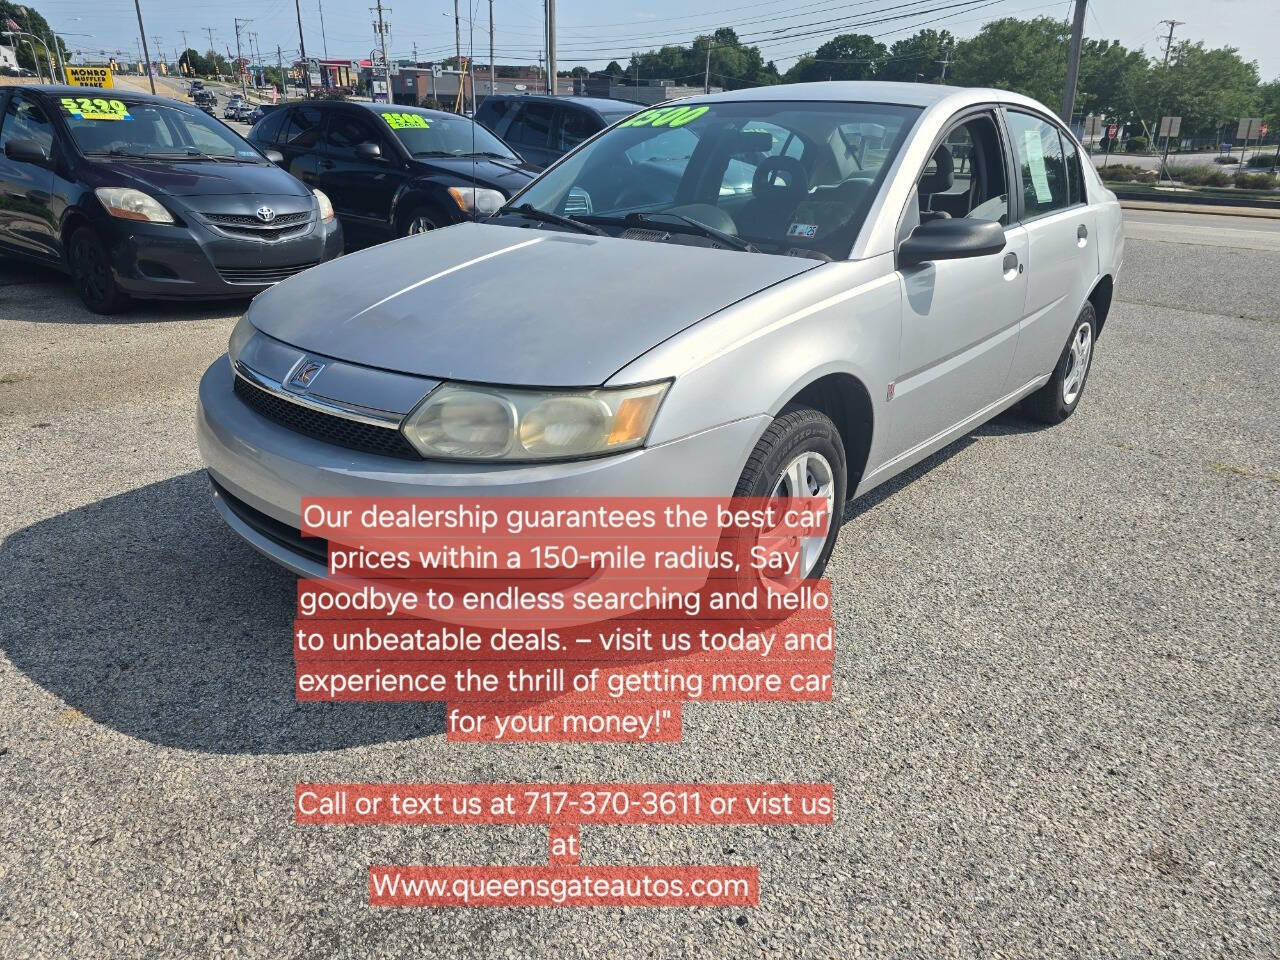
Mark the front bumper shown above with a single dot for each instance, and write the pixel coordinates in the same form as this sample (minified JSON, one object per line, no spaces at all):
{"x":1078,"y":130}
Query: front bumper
{"x":192,"y":261}
{"x":270,"y":469}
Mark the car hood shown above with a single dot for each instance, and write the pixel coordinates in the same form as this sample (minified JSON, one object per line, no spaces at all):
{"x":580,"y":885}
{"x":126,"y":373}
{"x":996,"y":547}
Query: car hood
{"x":506,"y":175}
{"x":509,"y":305}
{"x":204,"y":179}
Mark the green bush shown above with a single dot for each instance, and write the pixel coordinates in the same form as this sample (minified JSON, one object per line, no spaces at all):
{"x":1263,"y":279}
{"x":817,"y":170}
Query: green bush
{"x":1255,"y":181}
{"x":1201,"y":175}
{"x":1226,"y":158}
{"x":1262,"y":160}
{"x":1137,"y":144}
{"x":1126,"y":173}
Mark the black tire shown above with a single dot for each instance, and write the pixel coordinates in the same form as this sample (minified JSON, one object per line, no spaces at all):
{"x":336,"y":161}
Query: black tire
{"x":1050,"y":404}
{"x":426,"y":213}
{"x":91,"y":272}
{"x":795,"y":431}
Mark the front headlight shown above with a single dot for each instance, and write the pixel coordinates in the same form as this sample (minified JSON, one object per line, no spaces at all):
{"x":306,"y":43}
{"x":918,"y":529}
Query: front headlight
{"x":477,"y":200}
{"x":129,"y":204}
{"x":326,"y":208}
{"x":462,"y":422}
{"x":240,"y":335}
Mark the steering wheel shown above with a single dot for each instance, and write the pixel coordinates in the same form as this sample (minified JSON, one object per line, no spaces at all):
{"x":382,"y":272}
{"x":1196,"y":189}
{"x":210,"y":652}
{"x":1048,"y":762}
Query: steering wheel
{"x":794,"y":185}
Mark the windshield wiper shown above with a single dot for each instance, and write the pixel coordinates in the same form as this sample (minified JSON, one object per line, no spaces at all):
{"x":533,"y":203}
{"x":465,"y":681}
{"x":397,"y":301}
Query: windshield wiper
{"x":695,"y":226}
{"x":435,"y":153}
{"x":489,"y":153}
{"x":118,"y":152}
{"x":531,"y":212}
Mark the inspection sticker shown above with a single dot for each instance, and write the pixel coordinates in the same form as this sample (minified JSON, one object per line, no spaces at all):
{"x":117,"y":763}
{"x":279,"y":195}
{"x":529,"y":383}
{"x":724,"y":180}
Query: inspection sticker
{"x":806,"y":231}
{"x":95,"y":108}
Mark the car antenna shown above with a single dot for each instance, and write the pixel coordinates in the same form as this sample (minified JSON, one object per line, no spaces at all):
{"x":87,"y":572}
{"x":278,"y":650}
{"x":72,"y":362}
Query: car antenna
{"x":470,"y":76}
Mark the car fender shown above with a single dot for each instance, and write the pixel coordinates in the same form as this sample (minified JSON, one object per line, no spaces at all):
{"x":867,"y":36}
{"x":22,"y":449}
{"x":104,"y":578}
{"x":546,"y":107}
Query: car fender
{"x":754,"y":356}
{"x":420,"y":190}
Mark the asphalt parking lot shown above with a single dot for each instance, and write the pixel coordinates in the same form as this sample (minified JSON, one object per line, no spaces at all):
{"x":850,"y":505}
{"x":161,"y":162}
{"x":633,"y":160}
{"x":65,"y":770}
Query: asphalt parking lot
{"x":1056,"y":728}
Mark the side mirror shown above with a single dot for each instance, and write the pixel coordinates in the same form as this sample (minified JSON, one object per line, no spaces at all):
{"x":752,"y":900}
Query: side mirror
{"x":368,"y":151}
{"x":950,"y":240}
{"x":26,"y":151}
{"x":275,"y":156}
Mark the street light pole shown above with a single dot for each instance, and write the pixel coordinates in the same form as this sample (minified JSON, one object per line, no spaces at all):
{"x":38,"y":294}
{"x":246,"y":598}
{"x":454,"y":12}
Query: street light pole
{"x":302,"y":50}
{"x":146,"y":55}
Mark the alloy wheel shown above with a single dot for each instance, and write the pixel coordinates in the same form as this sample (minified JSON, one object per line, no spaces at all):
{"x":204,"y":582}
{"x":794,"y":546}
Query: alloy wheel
{"x":808,"y":475}
{"x":1078,"y":356}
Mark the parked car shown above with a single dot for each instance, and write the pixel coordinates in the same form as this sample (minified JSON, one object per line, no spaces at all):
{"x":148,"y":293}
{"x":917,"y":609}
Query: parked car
{"x":260,"y":111}
{"x":864,"y":305}
{"x":141,"y":196}
{"x":545,"y":128}
{"x":391,"y":170}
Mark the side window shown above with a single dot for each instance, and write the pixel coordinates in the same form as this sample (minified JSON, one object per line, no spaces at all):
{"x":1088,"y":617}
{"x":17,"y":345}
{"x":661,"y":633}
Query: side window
{"x":1038,"y":150}
{"x":1075,"y":174}
{"x":24,"y":119}
{"x":345,"y":130}
{"x":574,"y":126}
{"x":966,"y":175}
{"x":532,"y":125}
{"x":303,"y":127}
{"x":268,"y":129}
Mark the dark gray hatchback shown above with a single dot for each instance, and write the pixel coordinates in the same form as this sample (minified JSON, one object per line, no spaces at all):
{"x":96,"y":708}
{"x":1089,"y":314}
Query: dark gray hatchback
{"x":139,"y":196}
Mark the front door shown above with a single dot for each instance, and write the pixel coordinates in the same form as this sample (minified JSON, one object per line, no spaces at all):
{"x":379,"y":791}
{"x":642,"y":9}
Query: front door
{"x":361,"y":189}
{"x":26,"y":189}
{"x":959,"y":317}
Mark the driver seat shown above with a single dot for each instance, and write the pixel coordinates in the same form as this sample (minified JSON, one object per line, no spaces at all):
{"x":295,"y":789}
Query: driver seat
{"x":940,"y":181}
{"x":769,"y":211}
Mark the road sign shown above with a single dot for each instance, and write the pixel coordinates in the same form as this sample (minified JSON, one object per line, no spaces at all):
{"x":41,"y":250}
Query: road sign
{"x":435,"y":70}
{"x":1112,"y":130}
{"x":1092,"y":125}
{"x":90,"y":77}
{"x":1248,"y":129}
{"x":1170,"y":126}
{"x":355,"y":65}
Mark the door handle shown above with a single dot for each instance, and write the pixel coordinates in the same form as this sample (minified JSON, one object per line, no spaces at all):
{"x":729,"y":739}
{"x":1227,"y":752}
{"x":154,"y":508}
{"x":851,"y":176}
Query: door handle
{"x":328,"y":165}
{"x":1011,"y":265}
{"x":1082,"y":235}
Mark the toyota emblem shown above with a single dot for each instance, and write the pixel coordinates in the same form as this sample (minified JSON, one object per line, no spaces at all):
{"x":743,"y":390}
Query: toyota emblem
{"x":265,"y":214}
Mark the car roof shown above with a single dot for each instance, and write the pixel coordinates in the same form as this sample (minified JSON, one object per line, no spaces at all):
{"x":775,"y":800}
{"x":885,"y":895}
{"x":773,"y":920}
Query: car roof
{"x":602,"y":104}
{"x":397,"y":108}
{"x":925,"y":95}
{"x":116,"y":93}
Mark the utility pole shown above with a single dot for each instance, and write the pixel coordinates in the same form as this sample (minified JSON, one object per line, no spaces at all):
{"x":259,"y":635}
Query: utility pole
{"x":706,"y":73}
{"x":324,"y":41}
{"x":213,"y":51}
{"x":302,"y":50}
{"x":945,"y":62}
{"x":551,"y":47}
{"x":380,"y":28}
{"x":457,"y":37}
{"x":1168,"y":47}
{"x":184,"y":56}
{"x":1073,"y":63}
{"x":284,"y":83}
{"x":239,"y":67}
{"x":145,"y":53}
{"x":253,"y":59}
{"x":492,"y":74}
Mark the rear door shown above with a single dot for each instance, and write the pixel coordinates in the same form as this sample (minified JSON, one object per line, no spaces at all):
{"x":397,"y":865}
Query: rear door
{"x":574,"y":124}
{"x":1062,"y":255}
{"x":27,"y":221}
{"x":530,"y":132}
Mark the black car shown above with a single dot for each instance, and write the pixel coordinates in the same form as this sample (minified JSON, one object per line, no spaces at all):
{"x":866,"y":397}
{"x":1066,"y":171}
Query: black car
{"x":261,"y":110}
{"x":545,"y":128}
{"x":143,"y":196}
{"x":392,"y":170}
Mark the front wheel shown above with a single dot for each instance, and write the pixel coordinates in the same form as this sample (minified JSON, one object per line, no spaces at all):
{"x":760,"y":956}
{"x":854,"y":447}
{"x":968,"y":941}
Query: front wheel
{"x":801,"y":455}
{"x":91,"y":272}
{"x":1058,"y":398}
{"x":418,"y":220}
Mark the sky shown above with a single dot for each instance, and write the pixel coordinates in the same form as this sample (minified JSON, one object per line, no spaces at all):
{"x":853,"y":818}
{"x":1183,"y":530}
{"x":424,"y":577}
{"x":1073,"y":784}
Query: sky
{"x":593,"y":32}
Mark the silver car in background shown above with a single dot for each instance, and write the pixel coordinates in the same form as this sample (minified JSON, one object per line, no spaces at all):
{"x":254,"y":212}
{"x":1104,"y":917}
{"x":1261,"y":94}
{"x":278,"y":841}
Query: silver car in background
{"x":791,"y":290}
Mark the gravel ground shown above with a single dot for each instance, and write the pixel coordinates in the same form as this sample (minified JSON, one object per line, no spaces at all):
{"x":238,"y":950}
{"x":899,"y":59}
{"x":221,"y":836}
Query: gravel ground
{"x":1056,"y":729}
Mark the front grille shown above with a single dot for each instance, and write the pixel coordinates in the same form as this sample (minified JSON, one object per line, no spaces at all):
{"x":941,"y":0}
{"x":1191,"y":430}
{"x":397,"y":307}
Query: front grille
{"x":326,"y":427}
{"x":267,"y":236}
{"x":248,"y":219}
{"x":313,"y":548}
{"x":262,"y":275}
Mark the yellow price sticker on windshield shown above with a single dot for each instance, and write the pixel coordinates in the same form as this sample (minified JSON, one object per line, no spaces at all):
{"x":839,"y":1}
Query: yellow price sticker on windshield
{"x":95,"y":108}
{"x":665,"y":117}
{"x":402,"y":121}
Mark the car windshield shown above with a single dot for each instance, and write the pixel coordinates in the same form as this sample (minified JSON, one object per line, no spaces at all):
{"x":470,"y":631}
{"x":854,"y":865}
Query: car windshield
{"x":112,"y":127}
{"x":767,"y":176}
{"x":429,"y":134}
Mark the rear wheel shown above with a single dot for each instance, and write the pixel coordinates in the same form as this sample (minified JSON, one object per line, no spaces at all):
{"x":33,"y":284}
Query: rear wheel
{"x":1058,"y":398}
{"x":801,"y":455}
{"x":91,"y":272}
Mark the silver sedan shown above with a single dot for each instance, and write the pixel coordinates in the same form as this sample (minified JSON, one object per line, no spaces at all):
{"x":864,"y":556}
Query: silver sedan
{"x":792,"y":290}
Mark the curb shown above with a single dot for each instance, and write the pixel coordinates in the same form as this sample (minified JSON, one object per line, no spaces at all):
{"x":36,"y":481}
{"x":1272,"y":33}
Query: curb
{"x":1264,"y":213}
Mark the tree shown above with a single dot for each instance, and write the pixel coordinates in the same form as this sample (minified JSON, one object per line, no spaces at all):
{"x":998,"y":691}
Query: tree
{"x":29,"y":20}
{"x":733,"y":65}
{"x":920,"y":57}
{"x":849,"y":56}
{"x":1269,"y":105}
{"x":579,"y":71}
{"x":1025,"y":56}
{"x":1209,"y":89}
{"x":614,"y":69}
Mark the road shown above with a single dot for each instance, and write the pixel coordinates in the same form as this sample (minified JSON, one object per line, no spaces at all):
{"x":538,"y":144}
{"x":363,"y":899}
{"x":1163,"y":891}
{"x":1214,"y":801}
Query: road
{"x":1056,"y":727}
